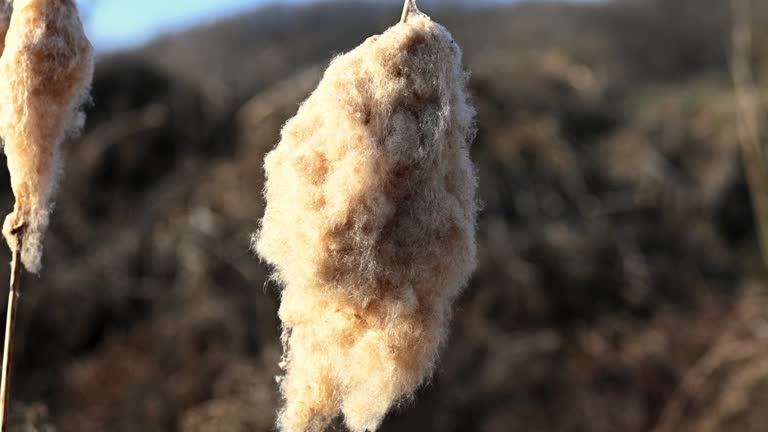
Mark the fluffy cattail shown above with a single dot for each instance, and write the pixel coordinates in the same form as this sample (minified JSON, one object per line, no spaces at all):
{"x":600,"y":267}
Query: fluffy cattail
{"x":45,"y":72}
{"x":370,"y":225}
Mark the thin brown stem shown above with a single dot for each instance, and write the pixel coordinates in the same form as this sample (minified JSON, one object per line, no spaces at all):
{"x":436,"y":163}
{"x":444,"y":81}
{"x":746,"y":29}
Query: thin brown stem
{"x":10,"y":326}
{"x":750,"y":112}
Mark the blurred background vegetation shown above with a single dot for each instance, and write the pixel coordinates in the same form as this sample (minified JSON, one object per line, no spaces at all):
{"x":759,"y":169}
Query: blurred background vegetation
{"x":620,"y":284}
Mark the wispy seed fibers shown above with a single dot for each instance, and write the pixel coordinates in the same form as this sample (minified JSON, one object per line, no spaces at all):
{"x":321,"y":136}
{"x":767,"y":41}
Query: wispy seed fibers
{"x":370,"y":225}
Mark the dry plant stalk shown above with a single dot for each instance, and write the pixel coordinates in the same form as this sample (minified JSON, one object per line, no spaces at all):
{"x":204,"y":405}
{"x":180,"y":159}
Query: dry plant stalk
{"x":10,"y":327}
{"x":408,"y":8}
{"x":45,"y":72}
{"x":6,"y":7}
{"x":750,"y":113}
{"x":370,"y":225}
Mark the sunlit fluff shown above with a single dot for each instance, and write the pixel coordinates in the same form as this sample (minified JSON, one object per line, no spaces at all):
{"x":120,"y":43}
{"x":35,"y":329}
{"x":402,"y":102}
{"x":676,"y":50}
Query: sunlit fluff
{"x":45,"y":72}
{"x":370,"y":225}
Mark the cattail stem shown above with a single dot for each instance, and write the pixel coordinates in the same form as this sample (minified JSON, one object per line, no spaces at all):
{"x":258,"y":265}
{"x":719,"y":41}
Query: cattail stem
{"x":750,"y":112}
{"x":410,"y":6}
{"x":14,"y":294}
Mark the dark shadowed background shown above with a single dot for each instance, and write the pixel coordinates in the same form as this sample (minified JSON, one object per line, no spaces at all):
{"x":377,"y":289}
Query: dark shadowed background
{"x":620,"y":285}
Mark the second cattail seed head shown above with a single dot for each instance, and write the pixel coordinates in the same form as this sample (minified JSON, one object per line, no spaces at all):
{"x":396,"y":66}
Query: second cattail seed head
{"x":45,"y":73}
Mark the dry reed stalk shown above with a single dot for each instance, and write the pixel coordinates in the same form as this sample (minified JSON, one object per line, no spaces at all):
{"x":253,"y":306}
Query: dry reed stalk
{"x":45,"y":72}
{"x":10,"y":327}
{"x":750,"y":113}
{"x":6,"y":7}
{"x":408,"y":8}
{"x":370,"y":225}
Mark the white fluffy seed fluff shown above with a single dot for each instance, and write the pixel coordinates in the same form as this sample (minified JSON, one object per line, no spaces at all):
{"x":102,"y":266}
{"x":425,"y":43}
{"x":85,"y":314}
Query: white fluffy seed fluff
{"x":370,"y":225}
{"x":45,"y":72}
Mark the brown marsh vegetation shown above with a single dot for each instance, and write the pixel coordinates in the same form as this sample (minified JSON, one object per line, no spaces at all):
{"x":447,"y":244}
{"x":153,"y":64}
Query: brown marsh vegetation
{"x":619,"y":287}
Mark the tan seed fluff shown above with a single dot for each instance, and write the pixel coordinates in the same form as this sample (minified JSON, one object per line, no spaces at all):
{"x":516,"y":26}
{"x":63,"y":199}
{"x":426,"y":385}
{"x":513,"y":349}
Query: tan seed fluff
{"x":370,"y":225}
{"x":45,"y":73}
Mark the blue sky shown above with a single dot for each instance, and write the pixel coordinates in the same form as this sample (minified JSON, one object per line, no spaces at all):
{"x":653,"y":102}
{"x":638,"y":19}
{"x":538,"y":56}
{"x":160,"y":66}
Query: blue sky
{"x":122,"y":23}
{"x":114,"y":24}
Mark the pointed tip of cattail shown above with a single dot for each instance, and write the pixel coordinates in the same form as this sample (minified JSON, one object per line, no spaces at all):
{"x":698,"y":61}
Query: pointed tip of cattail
{"x":408,"y":9}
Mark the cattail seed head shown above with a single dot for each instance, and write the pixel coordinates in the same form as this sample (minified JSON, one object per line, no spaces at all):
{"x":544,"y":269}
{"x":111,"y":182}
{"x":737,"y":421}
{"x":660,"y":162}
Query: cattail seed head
{"x":370,"y":225}
{"x":45,"y":73}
